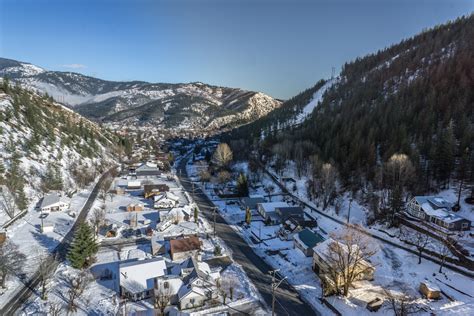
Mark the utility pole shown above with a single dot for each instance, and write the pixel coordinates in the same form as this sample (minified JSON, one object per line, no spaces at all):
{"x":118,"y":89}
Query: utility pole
{"x":275,"y":285}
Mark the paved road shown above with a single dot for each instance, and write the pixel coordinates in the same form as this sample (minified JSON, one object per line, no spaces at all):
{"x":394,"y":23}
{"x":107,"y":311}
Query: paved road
{"x":242,"y":253}
{"x":53,"y":260}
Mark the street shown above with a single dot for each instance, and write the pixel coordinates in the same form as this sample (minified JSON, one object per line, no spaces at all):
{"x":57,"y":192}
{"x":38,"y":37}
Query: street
{"x":288,"y":301}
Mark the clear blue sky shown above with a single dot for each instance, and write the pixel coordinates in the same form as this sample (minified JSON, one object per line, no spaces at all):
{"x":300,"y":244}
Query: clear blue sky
{"x":278,"y":47}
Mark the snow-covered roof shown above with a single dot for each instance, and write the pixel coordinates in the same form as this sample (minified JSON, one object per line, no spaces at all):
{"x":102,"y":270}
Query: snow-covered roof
{"x":322,"y":250}
{"x":442,"y":213}
{"x":138,"y":276}
{"x":431,"y":286}
{"x":52,"y":198}
{"x":270,"y":206}
{"x":435,"y":201}
{"x":309,"y":238}
{"x":186,"y":290}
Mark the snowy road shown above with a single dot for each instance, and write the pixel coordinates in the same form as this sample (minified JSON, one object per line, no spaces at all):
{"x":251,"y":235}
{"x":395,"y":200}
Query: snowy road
{"x":288,"y":301}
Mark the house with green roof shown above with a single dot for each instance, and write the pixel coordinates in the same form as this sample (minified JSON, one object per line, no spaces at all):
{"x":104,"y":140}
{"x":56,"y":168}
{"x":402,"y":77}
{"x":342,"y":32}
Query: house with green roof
{"x":305,"y":240}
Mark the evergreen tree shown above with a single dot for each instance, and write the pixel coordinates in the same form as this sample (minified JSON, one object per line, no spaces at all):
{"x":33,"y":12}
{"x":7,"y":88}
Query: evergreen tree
{"x":196,"y":211}
{"x":83,"y":248}
{"x":242,"y":185}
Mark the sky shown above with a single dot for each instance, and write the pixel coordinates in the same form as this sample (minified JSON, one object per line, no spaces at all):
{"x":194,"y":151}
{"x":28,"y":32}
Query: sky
{"x":279,"y":47}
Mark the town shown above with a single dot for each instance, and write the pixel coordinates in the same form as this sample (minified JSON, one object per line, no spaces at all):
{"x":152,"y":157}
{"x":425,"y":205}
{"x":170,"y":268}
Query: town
{"x":325,"y":165}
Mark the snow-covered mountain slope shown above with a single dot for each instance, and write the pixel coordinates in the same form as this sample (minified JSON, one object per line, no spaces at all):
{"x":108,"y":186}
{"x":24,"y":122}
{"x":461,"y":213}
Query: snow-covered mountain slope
{"x":46,"y":146}
{"x":177,"y":106}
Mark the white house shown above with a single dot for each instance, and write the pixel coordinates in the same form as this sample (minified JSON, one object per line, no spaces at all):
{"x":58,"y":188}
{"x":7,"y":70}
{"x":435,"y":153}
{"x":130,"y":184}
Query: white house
{"x":54,"y":202}
{"x":268,"y":209}
{"x":137,"y":278}
{"x":165,"y":200}
{"x":135,"y":184}
{"x":437,"y":210}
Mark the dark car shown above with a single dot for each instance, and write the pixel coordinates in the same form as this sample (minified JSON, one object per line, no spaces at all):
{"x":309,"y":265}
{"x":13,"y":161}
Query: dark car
{"x":138,"y":233}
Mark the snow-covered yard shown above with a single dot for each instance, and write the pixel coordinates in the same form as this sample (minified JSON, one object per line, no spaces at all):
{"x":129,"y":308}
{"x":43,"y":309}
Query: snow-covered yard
{"x":396,"y":269}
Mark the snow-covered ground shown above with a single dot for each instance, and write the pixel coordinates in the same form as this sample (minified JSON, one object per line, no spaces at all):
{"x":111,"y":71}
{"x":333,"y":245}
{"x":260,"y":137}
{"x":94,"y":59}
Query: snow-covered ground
{"x":26,"y":234}
{"x":396,"y":269}
{"x":101,"y":296}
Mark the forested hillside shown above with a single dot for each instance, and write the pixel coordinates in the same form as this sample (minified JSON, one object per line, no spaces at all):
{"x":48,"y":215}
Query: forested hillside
{"x":415,"y":98}
{"x":45,"y":146}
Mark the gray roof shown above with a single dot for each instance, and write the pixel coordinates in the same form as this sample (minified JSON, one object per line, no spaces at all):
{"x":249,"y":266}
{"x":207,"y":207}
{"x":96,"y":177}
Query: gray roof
{"x":50,"y":199}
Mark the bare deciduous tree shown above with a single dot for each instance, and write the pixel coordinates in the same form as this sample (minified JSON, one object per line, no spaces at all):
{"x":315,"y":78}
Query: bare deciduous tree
{"x":418,"y":239}
{"x":227,"y":286}
{"x":204,"y":176}
{"x":104,"y":188}
{"x":347,"y":257}
{"x":77,"y":285}
{"x":44,"y":274}
{"x":327,"y":184}
{"x":55,"y":309}
{"x":401,"y":303}
{"x":222,"y":156}
{"x":223,"y":177}
{"x":162,"y":296}
{"x":11,"y":261}
{"x":444,"y":250}
{"x":97,"y":219}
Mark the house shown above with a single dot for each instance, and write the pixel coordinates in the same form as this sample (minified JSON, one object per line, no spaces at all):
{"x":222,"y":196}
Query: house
{"x":158,"y":245}
{"x":430,"y":290}
{"x":324,"y":269}
{"x":54,"y":202}
{"x":137,"y":277}
{"x":251,"y":202}
{"x":294,"y":212}
{"x":199,"y":283}
{"x":135,"y":207}
{"x":148,"y":169}
{"x":267,"y":210}
{"x":150,"y":190}
{"x":186,"y":247}
{"x":165,"y":200}
{"x":305,"y":241}
{"x":134,"y":184}
{"x":437,"y":210}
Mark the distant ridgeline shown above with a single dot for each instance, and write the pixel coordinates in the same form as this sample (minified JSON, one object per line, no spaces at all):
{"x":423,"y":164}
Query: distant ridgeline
{"x":416,"y":98}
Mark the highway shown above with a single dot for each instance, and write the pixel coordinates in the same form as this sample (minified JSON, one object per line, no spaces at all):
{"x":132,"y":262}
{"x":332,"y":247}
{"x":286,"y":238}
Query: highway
{"x":288,"y":300}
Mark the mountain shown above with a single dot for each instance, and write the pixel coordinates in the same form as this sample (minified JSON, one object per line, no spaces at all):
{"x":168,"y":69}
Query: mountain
{"x":415,"y":97}
{"x":187,"y":106}
{"x":45,"y":146}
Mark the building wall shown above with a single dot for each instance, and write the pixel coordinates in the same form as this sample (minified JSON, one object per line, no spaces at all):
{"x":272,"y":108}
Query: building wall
{"x":192,"y":300}
{"x":184,"y":255}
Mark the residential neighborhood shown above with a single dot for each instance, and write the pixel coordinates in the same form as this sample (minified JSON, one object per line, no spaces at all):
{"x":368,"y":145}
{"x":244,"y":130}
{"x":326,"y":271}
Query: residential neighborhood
{"x":234,"y":158}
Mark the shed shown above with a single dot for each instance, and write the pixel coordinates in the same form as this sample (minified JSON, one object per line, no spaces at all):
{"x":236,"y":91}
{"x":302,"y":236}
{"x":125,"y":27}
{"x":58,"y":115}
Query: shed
{"x":430,"y":290}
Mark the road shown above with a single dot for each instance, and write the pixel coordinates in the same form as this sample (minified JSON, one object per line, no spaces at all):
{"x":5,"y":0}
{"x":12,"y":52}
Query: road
{"x":57,"y":256}
{"x":288,"y":301}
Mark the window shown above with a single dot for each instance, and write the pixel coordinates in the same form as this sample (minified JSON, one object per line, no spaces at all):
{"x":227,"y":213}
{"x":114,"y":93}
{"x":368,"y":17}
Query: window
{"x":166,"y":285}
{"x":464,"y":225}
{"x":191,"y":301}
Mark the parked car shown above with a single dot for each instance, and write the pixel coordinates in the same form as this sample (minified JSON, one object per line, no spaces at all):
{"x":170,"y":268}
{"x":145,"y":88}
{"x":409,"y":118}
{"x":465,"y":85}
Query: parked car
{"x":138,"y":232}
